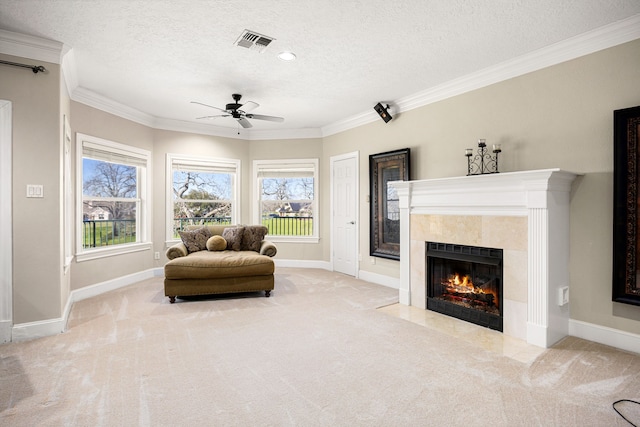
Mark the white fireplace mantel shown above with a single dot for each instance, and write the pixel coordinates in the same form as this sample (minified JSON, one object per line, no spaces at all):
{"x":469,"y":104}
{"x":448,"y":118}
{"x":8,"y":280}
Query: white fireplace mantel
{"x":543,"y":196}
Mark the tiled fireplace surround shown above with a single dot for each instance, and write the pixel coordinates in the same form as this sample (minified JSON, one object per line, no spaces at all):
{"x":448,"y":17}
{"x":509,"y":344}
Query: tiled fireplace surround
{"x":524,"y":213}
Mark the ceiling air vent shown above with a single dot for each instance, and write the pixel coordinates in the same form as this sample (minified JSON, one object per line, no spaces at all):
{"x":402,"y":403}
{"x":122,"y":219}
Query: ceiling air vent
{"x":254,"y":41}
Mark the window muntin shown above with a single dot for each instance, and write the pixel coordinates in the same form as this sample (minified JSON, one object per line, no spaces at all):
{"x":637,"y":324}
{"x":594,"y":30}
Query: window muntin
{"x":113,"y":196}
{"x":286,"y":198}
{"x":203,"y":191}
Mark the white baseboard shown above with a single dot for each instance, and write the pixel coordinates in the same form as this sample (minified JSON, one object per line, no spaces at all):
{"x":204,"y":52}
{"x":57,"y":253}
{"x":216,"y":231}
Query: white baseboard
{"x":39,"y":329}
{"x":605,"y":335}
{"x":379,"y":279}
{"x":110,"y":285}
{"x":5,"y":331}
{"x":43,"y":328}
{"x":294,"y":263}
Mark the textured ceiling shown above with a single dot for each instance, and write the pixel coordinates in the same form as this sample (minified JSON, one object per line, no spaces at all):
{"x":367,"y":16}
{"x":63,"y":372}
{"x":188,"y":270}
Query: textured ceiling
{"x":156,"y":56}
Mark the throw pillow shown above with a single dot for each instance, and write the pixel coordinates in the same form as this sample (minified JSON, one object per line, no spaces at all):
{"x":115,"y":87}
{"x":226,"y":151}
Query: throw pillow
{"x":233,"y":236}
{"x":216,"y":243}
{"x":195,"y":240}
{"x":252,"y":237}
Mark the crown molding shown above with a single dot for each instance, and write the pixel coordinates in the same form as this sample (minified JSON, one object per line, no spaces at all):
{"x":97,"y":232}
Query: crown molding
{"x":199,"y":128}
{"x":349,"y":123}
{"x":70,"y":70}
{"x":31,"y":47}
{"x":306,"y":133}
{"x":590,"y":42}
{"x":244,"y":134}
{"x":108,"y":105}
{"x":601,"y":38}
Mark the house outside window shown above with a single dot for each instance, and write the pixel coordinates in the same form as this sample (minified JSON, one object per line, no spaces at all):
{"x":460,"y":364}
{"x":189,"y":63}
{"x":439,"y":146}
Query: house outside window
{"x":286,"y":193}
{"x":113,"y":198}
{"x":201,"y":191}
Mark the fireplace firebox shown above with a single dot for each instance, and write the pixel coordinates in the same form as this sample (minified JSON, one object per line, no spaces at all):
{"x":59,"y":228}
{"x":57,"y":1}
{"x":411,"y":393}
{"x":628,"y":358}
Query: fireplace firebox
{"x":465,"y":282}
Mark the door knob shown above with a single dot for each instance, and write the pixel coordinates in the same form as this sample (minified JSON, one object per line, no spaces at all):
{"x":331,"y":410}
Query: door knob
{"x":351,"y":222}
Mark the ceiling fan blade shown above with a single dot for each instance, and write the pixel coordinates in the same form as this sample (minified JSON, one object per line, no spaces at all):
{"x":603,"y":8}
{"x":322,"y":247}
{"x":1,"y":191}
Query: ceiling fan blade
{"x":267,"y":118}
{"x":248,"y":106}
{"x":207,"y":105}
{"x":244,"y":123}
{"x":213,"y":117}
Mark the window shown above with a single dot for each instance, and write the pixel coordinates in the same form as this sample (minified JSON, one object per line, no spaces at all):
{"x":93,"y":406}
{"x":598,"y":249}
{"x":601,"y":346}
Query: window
{"x":201,"y":191}
{"x":286,"y":195}
{"x":113,"y":198}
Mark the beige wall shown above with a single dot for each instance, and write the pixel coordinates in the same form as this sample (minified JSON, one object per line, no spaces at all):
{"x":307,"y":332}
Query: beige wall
{"x":558,"y":117}
{"x":36,"y":160}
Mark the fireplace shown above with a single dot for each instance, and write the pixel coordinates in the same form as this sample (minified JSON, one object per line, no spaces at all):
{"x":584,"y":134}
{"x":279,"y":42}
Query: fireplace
{"x":526,"y":214}
{"x":465,"y":282}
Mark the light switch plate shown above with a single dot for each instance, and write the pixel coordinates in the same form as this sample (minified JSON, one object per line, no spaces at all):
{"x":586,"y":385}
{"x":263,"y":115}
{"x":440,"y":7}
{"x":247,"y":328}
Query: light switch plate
{"x":35,"y":190}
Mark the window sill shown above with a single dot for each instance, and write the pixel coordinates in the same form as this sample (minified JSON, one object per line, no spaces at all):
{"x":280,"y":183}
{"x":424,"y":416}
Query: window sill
{"x":92,"y":254}
{"x":291,"y":239}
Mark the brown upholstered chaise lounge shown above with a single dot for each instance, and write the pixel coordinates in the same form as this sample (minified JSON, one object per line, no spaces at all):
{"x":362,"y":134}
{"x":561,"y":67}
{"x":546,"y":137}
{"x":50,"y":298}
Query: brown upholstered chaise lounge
{"x":244,"y":264}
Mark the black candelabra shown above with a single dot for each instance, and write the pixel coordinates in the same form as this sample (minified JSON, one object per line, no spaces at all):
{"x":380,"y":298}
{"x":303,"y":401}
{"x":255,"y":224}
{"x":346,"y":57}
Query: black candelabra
{"x":483,"y":162}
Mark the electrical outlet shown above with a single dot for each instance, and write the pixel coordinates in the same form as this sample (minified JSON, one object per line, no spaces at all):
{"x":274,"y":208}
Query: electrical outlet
{"x":563,"y":296}
{"x":156,"y":255}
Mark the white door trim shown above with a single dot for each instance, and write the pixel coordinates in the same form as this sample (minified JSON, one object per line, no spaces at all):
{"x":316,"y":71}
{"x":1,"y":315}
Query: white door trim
{"x":6,"y":223}
{"x":353,"y":155}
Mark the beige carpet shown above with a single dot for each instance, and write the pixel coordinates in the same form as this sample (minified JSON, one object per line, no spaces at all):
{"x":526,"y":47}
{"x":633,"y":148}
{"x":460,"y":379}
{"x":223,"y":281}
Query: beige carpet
{"x":317,"y":353}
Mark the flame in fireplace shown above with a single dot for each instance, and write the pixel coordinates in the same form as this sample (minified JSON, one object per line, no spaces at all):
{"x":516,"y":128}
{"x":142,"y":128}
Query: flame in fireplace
{"x":461,"y":284}
{"x":457,"y":284}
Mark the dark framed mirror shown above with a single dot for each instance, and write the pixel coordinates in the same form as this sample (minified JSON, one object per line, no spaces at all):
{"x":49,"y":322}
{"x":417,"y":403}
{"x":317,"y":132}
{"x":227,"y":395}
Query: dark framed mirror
{"x":385,"y":209}
{"x":626,"y":221}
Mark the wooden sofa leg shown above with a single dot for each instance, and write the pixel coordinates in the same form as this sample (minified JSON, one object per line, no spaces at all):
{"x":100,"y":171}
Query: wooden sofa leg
{"x":172,"y":299}
{"x":267,"y":294}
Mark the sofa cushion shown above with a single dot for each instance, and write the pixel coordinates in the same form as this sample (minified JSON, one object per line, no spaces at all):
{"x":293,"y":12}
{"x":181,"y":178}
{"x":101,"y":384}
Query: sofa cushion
{"x":252,"y":237}
{"x":177,"y":250}
{"x":233,"y":236}
{"x":216,"y":265}
{"x":195,"y":240}
{"x":216,"y":243}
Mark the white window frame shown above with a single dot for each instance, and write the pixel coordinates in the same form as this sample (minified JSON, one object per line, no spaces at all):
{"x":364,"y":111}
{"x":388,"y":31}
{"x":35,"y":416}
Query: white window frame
{"x":68,"y":208}
{"x":199,"y":162}
{"x":143,"y":222}
{"x":285,"y":164}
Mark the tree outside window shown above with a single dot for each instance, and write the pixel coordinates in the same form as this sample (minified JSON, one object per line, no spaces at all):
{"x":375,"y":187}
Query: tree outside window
{"x":201,"y":198}
{"x":203,"y":191}
{"x":287,"y":197}
{"x":112,"y":178}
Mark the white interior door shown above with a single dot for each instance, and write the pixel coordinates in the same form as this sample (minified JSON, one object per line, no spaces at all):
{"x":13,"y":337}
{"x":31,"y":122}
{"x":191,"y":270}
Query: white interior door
{"x":344,"y":203}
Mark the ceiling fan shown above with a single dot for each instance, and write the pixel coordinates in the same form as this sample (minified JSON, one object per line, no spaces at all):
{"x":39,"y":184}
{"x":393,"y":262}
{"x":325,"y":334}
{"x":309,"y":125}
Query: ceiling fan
{"x":240,"y":112}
